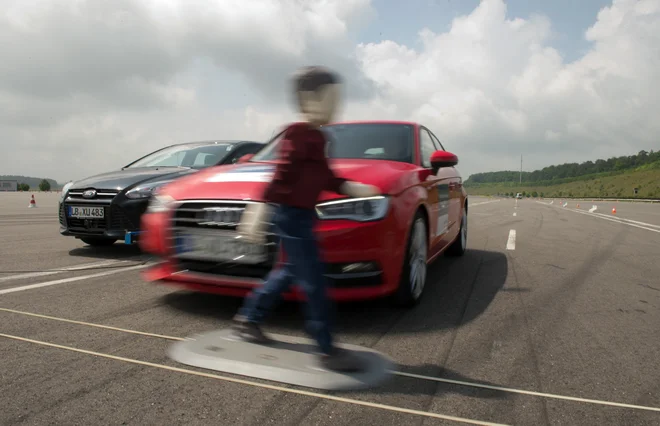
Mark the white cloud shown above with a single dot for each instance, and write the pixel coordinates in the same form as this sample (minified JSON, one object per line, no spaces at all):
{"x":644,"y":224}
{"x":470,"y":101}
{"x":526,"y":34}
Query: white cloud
{"x":89,"y":85}
{"x":492,"y":86}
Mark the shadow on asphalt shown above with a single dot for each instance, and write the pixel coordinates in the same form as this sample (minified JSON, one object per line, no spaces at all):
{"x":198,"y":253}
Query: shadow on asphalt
{"x":415,"y":386}
{"x":458,"y":290}
{"x":117,"y":251}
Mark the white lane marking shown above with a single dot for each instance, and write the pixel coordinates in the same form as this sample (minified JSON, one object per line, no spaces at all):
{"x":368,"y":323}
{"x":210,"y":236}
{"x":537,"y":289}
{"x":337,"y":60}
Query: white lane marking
{"x":399,"y":373}
{"x":593,"y":208}
{"x":484,"y":202}
{"x":618,"y":220}
{"x":70,"y":280}
{"x":514,"y":213}
{"x":59,"y":270}
{"x":629,"y":220}
{"x":511,"y":242}
{"x":255,"y":384}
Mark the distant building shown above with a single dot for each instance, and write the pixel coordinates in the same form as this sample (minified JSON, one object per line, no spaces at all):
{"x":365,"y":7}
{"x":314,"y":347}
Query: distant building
{"x":8,"y":185}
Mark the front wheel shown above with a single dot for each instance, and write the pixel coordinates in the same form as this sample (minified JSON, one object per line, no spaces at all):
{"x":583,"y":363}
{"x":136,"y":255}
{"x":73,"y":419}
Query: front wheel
{"x":413,"y":273}
{"x":458,"y":247}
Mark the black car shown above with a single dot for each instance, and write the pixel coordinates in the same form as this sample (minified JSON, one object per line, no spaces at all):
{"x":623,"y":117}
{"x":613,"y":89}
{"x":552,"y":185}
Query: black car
{"x":102,"y":209}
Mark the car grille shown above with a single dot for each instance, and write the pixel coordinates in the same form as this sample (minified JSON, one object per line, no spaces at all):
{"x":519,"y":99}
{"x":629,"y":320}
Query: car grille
{"x":101,"y":194}
{"x":90,"y":226}
{"x":119,"y":219}
{"x":209,"y":215}
{"x":62,"y":216}
{"x":218,"y":215}
{"x":115,"y":219}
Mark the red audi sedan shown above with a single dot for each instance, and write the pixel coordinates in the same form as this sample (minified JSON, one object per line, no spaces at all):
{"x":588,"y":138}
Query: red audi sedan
{"x":373,"y":247}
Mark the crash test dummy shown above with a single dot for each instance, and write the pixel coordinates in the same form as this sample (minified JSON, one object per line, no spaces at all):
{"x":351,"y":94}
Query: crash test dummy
{"x":289,"y":200}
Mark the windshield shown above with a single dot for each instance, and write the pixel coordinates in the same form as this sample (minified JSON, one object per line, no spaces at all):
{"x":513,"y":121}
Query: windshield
{"x":378,"y":141}
{"x":195,"y":156}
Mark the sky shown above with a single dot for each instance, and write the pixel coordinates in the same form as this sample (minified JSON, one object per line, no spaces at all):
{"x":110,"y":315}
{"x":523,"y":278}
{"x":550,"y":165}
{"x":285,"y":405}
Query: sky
{"x":87,"y":86}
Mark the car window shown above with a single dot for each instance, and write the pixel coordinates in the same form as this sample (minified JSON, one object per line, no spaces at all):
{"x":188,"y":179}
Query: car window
{"x":426,"y":147}
{"x":188,"y":155}
{"x":205,"y":159}
{"x":250,"y":148}
{"x":381,"y":141}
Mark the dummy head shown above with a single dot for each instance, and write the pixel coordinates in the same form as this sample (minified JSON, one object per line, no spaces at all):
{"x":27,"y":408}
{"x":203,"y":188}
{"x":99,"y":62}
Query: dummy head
{"x":317,"y":91}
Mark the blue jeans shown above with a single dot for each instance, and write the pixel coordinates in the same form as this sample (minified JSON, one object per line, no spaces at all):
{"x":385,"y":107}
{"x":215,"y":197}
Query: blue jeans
{"x":294,"y":227}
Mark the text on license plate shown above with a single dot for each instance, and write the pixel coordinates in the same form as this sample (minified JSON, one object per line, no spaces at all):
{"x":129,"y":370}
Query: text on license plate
{"x":81,"y":212}
{"x":220,"y":248}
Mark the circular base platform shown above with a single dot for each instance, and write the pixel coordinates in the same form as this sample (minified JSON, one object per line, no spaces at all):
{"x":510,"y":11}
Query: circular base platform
{"x":289,"y":360}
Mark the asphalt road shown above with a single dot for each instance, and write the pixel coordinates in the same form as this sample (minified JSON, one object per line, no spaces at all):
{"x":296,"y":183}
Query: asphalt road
{"x":568,"y":306}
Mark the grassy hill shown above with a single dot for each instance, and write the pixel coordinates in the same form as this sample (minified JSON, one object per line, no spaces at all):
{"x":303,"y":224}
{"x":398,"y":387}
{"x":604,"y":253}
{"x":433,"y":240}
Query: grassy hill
{"x":32,"y":181}
{"x":612,"y":184}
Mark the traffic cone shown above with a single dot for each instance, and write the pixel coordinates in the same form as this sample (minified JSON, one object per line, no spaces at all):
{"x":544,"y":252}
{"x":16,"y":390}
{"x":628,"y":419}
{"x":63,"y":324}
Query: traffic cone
{"x":613,"y":210}
{"x":578,"y":206}
{"x":33,"y":203}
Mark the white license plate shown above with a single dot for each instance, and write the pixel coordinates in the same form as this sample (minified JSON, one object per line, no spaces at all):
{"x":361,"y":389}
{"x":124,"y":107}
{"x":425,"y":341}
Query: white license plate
{"x":219,"y":247}
{"x":81,"y":212}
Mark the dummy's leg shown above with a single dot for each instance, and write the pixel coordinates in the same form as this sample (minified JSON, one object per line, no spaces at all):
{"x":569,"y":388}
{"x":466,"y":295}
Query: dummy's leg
{"x":307,"y":267}
{"x":262,"y":300}
{"x":259,"y":304}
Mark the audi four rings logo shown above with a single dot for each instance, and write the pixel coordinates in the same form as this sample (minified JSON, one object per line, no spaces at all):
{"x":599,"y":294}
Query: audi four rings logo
{"x":90,"y":193}
{"x":221,"y":215}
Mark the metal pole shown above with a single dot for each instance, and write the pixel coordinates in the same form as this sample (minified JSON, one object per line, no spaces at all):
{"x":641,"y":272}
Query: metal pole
{"x":521,"y":169}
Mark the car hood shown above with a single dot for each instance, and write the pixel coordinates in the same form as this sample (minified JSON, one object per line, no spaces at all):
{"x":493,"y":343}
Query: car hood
{"x":122,"y":179}
{"x":248,"y":180}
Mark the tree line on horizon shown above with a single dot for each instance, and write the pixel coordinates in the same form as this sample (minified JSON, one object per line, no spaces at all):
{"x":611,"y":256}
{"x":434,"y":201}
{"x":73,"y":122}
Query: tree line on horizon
{"x":27,"y":183}
{"x":567,"y":171}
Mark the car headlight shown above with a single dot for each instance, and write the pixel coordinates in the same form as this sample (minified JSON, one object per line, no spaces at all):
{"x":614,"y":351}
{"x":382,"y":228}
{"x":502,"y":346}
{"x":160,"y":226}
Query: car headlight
{"x":159,"y":203}
{"x":144,"y":191}
{"x":358,"y":209}
{"x":65,"y":189}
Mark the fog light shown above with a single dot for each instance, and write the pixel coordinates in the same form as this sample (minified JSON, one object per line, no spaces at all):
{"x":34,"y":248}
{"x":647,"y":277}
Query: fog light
{"x":358,"y":267}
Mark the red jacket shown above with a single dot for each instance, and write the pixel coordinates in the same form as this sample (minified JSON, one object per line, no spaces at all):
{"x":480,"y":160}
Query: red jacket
{"x":302,"y":172}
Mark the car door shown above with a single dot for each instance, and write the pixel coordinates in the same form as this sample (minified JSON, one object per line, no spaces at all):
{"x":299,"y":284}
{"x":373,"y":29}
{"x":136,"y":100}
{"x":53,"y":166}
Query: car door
{"x":454,"y":186}
{"x":438,"y":194}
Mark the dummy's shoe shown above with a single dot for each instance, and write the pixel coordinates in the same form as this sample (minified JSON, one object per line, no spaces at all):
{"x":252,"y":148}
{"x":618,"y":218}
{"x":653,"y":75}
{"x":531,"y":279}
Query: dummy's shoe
{"x":249,"y":331}
{"x":342,"y":360}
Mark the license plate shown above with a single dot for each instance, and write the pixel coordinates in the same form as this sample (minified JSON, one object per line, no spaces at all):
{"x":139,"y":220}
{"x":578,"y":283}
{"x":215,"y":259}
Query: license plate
{"x":219,"y":247}
{"x":81,"y":212}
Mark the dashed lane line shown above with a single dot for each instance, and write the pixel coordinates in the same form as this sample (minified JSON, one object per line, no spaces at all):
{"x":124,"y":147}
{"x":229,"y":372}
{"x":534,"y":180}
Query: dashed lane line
{"x":511,"y":242}
{"x":71,"y":279}
{"x":399,"y":373}
{"x":483,"y":202}
{"x":59,"y":270}
{"x":629,"y":222}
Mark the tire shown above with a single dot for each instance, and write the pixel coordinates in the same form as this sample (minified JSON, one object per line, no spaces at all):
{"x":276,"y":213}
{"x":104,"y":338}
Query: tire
{"x":414,"y":269}
{"x":98,"y":242}
{"x":458,"y":247}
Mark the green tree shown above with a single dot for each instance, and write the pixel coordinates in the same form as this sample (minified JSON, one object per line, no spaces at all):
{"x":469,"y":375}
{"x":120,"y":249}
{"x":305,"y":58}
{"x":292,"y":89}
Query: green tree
{"x":44,"y":185}
{"x":23,"y":187}
{"x":535,"y":194}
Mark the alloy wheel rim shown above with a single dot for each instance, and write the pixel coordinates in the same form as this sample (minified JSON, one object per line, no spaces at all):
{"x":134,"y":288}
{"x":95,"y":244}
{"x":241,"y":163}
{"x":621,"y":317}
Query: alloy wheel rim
{"x":417,"y":262}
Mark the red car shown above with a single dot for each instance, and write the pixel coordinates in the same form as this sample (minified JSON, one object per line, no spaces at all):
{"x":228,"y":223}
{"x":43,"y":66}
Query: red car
{"x":374,"y":247}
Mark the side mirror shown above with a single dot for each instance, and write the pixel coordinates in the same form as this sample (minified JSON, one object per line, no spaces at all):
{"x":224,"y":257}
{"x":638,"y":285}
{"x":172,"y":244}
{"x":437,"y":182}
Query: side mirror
{"x":440,"y":159}
{"x":245,"y":158}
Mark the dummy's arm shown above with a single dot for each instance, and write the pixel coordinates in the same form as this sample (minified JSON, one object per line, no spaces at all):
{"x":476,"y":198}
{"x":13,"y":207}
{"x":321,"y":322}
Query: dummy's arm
{"x":347,"y":187}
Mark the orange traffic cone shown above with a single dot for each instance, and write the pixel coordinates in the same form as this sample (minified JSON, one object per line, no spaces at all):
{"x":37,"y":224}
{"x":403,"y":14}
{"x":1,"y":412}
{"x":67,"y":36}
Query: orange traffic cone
{"x":578,"y":206}
{"x":613,"y":210}
{"x":33,"y":203}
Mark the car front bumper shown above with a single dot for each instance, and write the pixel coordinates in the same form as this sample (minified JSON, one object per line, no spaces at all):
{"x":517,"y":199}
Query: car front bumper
{"x":121,"y":219}
{"x":363,"y":261}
